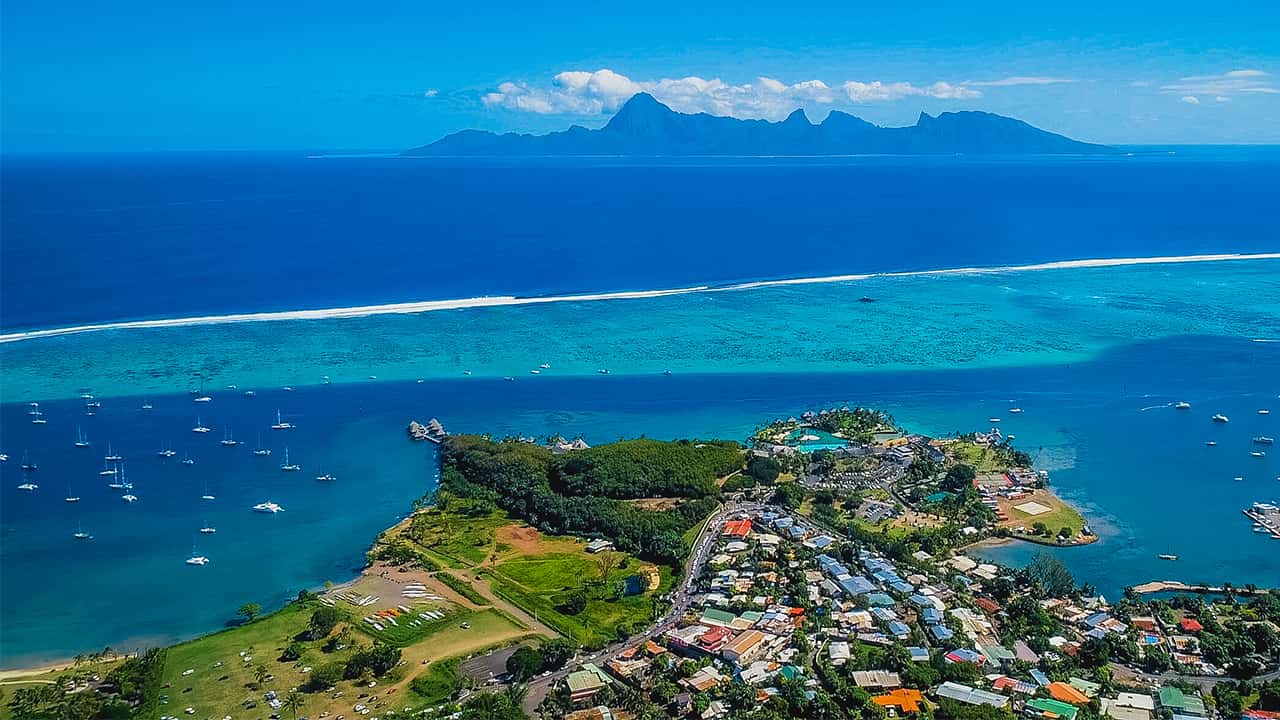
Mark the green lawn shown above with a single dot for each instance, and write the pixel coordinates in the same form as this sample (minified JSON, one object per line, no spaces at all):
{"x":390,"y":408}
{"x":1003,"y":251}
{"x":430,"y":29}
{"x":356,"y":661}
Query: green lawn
{"x":456,"y":540}
{"x":540,"y":585}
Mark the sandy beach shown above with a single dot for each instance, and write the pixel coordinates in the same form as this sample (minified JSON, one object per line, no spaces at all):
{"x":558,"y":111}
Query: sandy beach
{"x":510,"y":300}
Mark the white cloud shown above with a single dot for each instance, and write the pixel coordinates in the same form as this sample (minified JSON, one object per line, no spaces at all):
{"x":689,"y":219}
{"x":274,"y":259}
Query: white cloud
{"x":1225,"y":85}
{"x":604,"y":91}
{"x":1191,"y":100}
{"x":1022,"y":80}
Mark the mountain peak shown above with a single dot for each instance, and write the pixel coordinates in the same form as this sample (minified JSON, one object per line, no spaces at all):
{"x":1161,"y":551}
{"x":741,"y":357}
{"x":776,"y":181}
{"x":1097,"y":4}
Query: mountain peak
{"x":643,"y":126}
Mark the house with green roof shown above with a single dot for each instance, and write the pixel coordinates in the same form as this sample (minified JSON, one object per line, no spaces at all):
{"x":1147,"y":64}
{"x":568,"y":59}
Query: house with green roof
{"x":1053,"y":709}
{"x":1180,"y":703}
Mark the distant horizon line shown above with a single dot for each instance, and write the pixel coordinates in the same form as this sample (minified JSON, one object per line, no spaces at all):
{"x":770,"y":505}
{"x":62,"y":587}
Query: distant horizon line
{"x":488,"y":301}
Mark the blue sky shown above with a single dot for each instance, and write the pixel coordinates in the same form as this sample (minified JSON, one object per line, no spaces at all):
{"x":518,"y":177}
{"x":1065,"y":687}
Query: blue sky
{"x":160,"y":75}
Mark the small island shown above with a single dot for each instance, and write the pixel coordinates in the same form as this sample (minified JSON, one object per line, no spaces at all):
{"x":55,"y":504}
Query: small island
{"x":815,"y":571}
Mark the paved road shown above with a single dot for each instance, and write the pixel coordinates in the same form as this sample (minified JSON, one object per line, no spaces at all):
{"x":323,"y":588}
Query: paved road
{"x":681,"y":598}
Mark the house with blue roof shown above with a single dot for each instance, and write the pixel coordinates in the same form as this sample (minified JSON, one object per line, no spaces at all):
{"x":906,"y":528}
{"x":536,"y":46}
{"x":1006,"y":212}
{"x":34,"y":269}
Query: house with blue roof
{"x":879,"y":599}
{"x":900,"y":630}
{"x":931,"y":615}
{"x":941,"y":632}
{"x":905,"y":588}
{"x":1041,"y":679}
{"x":856,"y":585}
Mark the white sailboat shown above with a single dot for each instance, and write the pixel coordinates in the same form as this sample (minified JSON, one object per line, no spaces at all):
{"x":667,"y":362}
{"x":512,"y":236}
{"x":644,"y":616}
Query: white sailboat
{"x":80,"y":534}
{"x":280,"y":424}
{"x":201,"y":397}
{"x":227,"y":439}
{"x":261,"y":451}
{"x":268,"y":507}
{"x":81,"y":441}
{"x":206,"y":495}
{"x":199,"y":428}
{"x":196,"y":559}
{"x":111,"y":455}
{"x":287,"y":466}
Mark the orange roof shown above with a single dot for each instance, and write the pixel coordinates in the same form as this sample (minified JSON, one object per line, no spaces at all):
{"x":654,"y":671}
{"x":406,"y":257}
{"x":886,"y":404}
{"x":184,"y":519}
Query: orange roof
{"x":907,"y":699}
{"x":738,"y":528}
{"x":1066,"y":693}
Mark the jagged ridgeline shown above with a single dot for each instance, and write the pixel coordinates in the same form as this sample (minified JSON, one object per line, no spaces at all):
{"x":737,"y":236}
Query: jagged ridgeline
{"x":594,"y":491}
{"x":646,"y":127}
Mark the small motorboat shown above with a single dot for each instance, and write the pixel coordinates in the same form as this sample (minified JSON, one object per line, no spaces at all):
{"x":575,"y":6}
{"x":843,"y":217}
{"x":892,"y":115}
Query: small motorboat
{"x":1167,"y":556}
{"x":1182,"y":405}
{"x":1220,"y":418}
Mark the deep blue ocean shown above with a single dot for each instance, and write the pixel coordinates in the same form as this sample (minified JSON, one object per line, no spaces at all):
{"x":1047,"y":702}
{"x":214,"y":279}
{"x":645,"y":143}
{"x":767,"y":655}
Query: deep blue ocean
{"x":114,"y":237}
{"x":1095,"y":357}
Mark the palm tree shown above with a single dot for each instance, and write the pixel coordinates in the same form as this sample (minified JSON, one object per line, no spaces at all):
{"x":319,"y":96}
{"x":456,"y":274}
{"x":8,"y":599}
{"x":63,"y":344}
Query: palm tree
{"x":260,"y":674}
{"x":516,"y":693}
{"x":293,"y":702}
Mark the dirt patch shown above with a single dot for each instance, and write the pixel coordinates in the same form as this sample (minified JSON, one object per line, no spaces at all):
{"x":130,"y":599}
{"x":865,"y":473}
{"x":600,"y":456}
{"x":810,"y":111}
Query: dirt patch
{"x":523,"y":541}
{"x":657,"y":504}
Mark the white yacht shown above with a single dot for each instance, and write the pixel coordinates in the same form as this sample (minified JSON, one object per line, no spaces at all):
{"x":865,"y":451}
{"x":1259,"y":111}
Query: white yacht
{"x":228,"y":440}
{"x":208,"y":530}
{"x":70,"y":497}
{"x":81,"y":441}
{"x":129,"y":498}
{"x":39,"y":419}
{"x":288,"y":466}
{"x":111,"y":455}
{"x":1258,"y":453}
{"x":1182,"y":405}
{"x":27,"y":465}
{"x":327,"y":477}
{"x":1211,"y":443}
{"x":199,"y":428}
{"x":1264,"y":411}
{"x":80,"y":534}
{"x":250,"y":393}
{"x":602,"y":371}
{"x":28,"y":487}
{"x":993,"y":420}
{"x":197,"y":560}
{"x":280,"y":423}
{"x":1220,"y":418}
{"x":188,"y":460}
{"x":1263,"y":440}
{"x":261,"y":451}
{"x":166,"y":452}
{"x":535,"y":372}
{"x":201,"y":397}
{"x":1015,"y":411}
{"x":146,"y":405}
{"x":545,"y":366}
{"x":268,"y":507}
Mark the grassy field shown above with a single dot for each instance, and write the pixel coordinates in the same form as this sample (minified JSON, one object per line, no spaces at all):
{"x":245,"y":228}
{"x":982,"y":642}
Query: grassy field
{"x":542,"y":584}
{"x":221,"y":680}
{"x":1060,"y":515}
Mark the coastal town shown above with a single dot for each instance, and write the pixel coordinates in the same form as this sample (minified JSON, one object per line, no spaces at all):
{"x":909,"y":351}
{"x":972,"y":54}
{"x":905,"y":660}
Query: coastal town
{"x":821,"y":570}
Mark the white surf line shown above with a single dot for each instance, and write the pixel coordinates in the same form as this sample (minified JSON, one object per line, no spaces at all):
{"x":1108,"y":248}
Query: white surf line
{"x":424,"y":306}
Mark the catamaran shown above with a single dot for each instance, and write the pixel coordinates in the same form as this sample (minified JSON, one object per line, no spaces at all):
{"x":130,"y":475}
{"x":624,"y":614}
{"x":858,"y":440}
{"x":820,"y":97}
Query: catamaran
{"x":196,"y":559}
{"x":27,"y":465}
{"x":326,"y":477}
{"x":129,"y":498}
{"x":166,"y":452}
{"x":111,"y":455}
{"x":288,"y":466}
{"x":228,"y":440}
{"x":201,"y":397}
{"x":1263,"y":440}
{"x":261,"y":451}
{"x":267,"y":507}
{"x":188,"y":460}
{"x":28,"y":487}
{"x":206,"y":495}
{"x":280,"y":423}
{"x":199,"y":428}
{"x":80,"y":534}
{"x":39,"y":419}
{"x":81,"y":441}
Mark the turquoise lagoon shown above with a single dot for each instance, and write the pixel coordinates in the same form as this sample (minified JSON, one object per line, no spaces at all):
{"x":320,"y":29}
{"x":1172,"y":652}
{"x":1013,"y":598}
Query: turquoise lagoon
{"x":1095,"y":357}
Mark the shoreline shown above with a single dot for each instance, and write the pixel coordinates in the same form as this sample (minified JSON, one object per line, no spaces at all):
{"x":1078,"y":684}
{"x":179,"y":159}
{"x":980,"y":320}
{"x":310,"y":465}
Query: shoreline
{"x":424,"y":306}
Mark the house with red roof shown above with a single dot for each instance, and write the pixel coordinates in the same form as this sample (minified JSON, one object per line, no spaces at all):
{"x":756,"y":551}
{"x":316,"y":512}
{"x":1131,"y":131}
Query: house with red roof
{"x":1190,"y":625}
